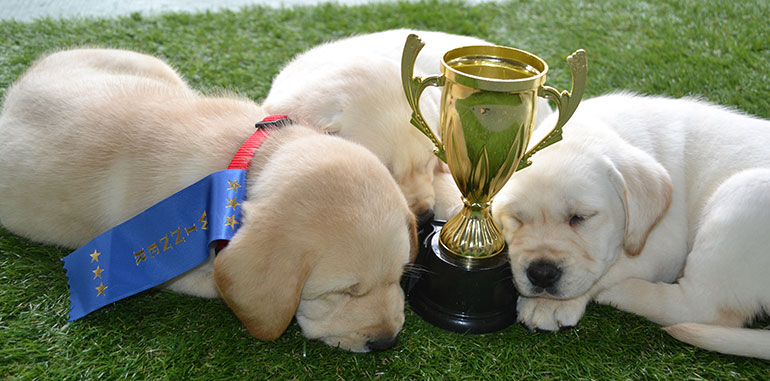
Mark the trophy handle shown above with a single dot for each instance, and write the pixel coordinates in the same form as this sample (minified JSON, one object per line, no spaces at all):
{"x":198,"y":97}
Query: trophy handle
{"x":566,"y":102}
{"x":413,"y":88}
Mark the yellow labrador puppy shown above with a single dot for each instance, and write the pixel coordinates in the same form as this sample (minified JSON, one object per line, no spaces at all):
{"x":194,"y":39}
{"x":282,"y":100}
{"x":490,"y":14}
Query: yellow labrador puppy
{"x":90,"y":138}
{"x":654,"y":205}
{"x":352,"y":88}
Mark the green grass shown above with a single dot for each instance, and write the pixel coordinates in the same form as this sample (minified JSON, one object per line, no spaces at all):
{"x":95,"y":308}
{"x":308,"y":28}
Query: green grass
{"x":719,"y":50}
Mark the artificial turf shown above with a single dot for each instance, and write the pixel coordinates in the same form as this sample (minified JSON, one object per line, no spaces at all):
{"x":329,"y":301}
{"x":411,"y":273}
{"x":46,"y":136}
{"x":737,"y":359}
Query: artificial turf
{"x":714,"y":49}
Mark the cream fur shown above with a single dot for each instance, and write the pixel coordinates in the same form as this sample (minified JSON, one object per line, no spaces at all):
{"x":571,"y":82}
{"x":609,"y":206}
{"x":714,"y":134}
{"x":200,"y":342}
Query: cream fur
{"x":656,"y":206}
{"x":91,"y":137}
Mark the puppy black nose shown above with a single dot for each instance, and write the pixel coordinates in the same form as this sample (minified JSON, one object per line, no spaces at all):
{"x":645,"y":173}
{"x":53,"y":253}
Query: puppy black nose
{"x":381,"y":344}
{"x":543,"y":273}
{"x":425,"y":217}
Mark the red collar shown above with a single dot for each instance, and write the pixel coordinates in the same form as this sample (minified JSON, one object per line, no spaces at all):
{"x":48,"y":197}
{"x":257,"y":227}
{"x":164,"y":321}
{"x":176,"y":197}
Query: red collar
{"x":242,"y":158}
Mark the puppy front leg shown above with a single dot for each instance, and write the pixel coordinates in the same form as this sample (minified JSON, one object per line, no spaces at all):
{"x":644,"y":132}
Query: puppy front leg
{"x":544,"y":314}
{"x":662,"y":303}
{"x":196,"y":282}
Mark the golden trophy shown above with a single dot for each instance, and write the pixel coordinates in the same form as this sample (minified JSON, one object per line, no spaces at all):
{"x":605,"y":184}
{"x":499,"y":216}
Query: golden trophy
{"x":488,"y":106}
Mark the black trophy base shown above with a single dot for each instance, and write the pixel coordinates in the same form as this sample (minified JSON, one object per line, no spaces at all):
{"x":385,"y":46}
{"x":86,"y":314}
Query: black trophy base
{"x":457,"y":295}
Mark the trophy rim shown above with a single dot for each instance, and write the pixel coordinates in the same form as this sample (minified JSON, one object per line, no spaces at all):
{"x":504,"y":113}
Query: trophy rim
{"x":495,"y":84}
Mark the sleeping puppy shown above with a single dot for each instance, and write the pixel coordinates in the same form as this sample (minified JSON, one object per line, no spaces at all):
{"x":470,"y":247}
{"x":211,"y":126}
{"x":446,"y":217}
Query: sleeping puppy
{"x":352,"y":88}
{"x":90,"y":138}
{"x":656,"y":206}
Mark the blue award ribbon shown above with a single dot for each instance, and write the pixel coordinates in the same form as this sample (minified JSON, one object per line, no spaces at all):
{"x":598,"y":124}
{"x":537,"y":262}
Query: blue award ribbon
{"x":164,"y":241}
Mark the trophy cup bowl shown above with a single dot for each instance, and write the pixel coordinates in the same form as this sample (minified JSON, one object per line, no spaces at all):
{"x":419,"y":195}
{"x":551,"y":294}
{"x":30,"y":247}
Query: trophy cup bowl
{"x":488,"y":106}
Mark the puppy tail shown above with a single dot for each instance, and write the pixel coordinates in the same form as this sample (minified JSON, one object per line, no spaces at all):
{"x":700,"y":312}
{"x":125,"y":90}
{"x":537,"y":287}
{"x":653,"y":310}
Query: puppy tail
{"x":733,"y":341}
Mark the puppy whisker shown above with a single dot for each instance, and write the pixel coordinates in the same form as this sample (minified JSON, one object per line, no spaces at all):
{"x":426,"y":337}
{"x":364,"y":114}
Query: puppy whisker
{"x":414,"y":270}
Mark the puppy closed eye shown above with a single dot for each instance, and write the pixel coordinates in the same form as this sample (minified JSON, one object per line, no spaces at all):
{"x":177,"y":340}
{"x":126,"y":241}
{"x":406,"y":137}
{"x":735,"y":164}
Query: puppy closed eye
{"x":354,"y":290}
{"x":339,"y":293}
{"x":576,"y":219}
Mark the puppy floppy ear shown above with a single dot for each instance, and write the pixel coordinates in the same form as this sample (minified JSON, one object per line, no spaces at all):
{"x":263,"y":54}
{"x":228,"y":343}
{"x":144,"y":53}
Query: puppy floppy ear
{"x":506,"y":221}
{"x":646,"y":190}
{"x":261,"y":281}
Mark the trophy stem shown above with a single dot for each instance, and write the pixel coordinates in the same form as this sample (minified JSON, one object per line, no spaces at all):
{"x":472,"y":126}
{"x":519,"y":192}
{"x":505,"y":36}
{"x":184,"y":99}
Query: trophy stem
{"x":472,"y":234}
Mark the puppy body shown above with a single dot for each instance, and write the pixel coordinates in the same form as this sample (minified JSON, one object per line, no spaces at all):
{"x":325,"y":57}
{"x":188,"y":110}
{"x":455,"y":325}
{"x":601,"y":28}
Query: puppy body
{"x":644,"y":192}
{"x":353,"y":88}
{"x":90,"y":138}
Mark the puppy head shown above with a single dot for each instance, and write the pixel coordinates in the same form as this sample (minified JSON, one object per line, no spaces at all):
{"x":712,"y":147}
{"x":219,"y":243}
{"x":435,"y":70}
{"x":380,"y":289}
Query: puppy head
{"x":362,"y":100}
{"x":582,"y":203}
{"x":377,"y":116}
{"x":326,"y":234}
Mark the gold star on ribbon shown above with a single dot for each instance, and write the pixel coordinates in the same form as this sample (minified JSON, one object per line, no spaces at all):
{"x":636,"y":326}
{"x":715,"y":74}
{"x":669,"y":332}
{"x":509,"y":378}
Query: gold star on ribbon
{"x":100,"y":289}
{"x":231,"y":203}
{"x":97,"y":272}
{"x":233,"y":185}
{"x":231,"y":222}
{"x":95,"y":256}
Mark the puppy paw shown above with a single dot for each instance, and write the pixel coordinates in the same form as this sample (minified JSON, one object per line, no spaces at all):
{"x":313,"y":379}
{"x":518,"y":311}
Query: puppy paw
{"x":196,"y":282}
{"x":542,"y":314}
